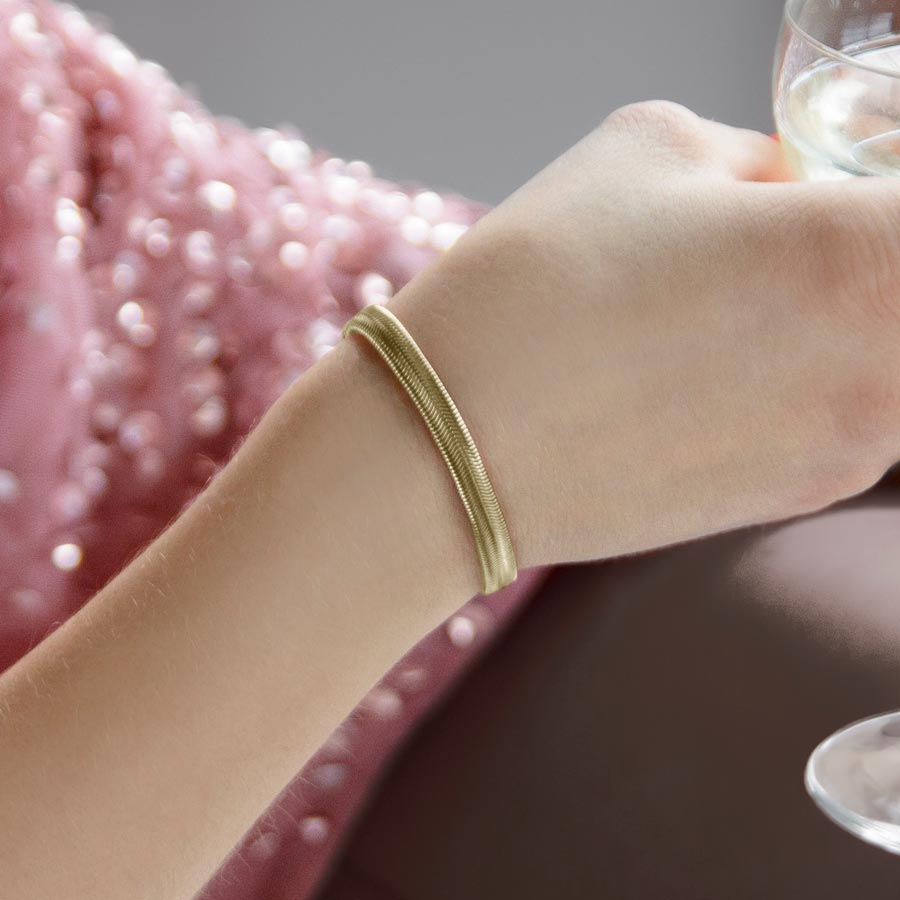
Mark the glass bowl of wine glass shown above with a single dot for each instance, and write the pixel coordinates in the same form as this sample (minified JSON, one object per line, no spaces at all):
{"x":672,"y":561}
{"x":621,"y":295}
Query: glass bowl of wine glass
{"x":837,"y":87}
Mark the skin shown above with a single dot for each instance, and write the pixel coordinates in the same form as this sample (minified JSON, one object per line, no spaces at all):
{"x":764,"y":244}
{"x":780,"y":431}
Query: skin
{"x":655,"y":339}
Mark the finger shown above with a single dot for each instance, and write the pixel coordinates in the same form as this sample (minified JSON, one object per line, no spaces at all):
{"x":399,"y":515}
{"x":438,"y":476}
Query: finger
{"x":746,"y":155}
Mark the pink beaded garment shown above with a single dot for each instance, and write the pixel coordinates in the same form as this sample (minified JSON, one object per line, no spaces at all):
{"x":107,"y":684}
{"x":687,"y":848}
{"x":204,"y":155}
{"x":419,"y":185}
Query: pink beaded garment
{"x":164,"y":276}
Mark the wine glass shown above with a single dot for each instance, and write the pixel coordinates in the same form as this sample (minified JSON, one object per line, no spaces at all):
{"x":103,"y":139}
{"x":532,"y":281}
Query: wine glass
{"x":837,"y":87}
{"x":837,"y":108}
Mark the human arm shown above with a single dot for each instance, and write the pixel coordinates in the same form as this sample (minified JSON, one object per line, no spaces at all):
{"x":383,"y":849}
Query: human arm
{"x":646,"y":347}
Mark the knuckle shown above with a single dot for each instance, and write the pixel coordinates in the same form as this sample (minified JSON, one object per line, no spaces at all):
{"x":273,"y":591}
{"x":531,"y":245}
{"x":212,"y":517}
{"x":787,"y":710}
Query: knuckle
{"x":662,"y":122}
{"x":652,"y":114}
{"x":864,"y":420}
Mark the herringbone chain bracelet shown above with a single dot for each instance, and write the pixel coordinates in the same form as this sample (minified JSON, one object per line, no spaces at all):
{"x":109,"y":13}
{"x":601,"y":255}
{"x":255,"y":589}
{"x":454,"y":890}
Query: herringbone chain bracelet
{"x":396,"y":346}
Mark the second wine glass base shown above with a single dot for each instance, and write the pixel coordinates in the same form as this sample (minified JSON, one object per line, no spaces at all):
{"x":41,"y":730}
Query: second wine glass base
{"x":854,"y":777}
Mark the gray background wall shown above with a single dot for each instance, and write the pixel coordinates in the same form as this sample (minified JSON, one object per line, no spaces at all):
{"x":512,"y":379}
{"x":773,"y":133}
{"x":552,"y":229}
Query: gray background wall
{"x":469,"y":95}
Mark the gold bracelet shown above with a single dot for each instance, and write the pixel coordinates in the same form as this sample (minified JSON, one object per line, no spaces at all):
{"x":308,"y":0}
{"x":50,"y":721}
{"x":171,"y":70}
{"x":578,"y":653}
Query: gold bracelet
{"x":395,"y":345}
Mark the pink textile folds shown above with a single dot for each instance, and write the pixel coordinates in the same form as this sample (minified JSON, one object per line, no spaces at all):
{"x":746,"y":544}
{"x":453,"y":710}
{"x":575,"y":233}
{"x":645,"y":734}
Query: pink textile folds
{"x":164,"y":276}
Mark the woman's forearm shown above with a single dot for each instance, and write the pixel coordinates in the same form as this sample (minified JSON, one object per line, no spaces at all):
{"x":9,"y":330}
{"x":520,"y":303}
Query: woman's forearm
{"x":141,"y":739}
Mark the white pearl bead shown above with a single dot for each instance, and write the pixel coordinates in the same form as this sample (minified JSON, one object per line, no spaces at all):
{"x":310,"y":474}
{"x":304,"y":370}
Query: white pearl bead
{"x":71,"y":502}
{"x":333,"y":166}
{"x":239,"y":268}
{"x":384,"y":702}
{"x":136,"y":228}
{"x":106,"y":418}
{"x":107,"y":105}
{"x":75,"y":23}
{"x":130,"y":314}
{"x":68,"y":218}
{"x":265,"y":846}
{"x":340,"y":741}
{"x":31,"y":98}
{"x":9,"y":486}
{"x":293,"y":254}
{"x":142,"y":335}
{"x":185,"y":130}
{"x":81,"y":390}
{"x":360,"y":169}
{"x":22,"y":26}
{"x":150,"y":464}
{"x":94,"y":339}
{"x":415,"y":230}
{"x":395,"y":206}
{"x":66,"y":557}
{"x":98,"y":365}
{"x":115,"y":54}
{"x":294,"y":216}
{"x":428,"y":205}
{"x":158,"y":238}
{"x":374,"y":288}
{"x":210,"y":418}
{"x":43,"y":318}
{"x":259,"y":234}
{"x":201,"y":342}
{"x":445,"y":235}
{"x":124,"y":152}
{"x":199,"y":297}
{"x":130,"y":317}
{"x":176,"y":171}
{"x":343,"y":189}
{"x":125,"y":272}
{"x":218,"y":196}
{"x":139,"y":430}
{"x":339,"y":227}
{"x":53,"y":125}
{"x":95,"y":481}
{"x":199,"y":247}
{"x":328,"y":776}
{"x":68,"y":248}
{"x":461,"y":631}
{"x":279,"y":195}
{"x":28,"y":600}
{"x":412,"y":679}
{"x":201,"y":385}
{"x":94,"y":454}
{"x":323,"y":336}
{"x":371,"y":201}
{"x":287,"y":154}
{"x":314,"y":829}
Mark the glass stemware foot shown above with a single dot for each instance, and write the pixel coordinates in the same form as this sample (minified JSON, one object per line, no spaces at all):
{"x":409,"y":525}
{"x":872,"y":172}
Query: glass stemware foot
{"x":854,"y":777}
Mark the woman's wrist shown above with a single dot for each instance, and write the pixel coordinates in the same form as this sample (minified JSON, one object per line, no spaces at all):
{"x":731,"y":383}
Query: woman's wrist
{"x":449,"y":311}
{"x":378,"y":326}
{"x":388,"y":470}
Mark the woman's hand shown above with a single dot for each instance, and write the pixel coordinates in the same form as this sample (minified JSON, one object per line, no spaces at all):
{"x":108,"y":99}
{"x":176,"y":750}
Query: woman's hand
{"x":660,"y":336}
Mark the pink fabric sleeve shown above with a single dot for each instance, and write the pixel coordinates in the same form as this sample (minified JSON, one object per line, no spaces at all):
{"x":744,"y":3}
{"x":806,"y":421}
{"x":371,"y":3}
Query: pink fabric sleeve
{"x":164,"y":276}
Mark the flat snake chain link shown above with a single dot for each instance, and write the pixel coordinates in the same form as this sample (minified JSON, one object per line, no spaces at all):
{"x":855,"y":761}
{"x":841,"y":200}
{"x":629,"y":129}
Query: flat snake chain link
{"x":386,"y":333}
